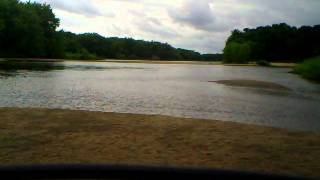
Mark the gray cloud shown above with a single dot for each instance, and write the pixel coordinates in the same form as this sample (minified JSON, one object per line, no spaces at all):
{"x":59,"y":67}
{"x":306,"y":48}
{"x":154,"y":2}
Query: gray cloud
{"x":83,"y":7}
{"x":154,"y":26}
{"x":197,"y":14}
{"x":228,"y":15}
{"x":295,"y":12}
{"x":205,"y":42}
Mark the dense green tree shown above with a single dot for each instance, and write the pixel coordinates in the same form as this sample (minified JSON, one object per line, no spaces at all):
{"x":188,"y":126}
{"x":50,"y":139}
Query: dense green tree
{"x":28,"y":30}
{"x":279,"y":42}
{"x":237,"y":52}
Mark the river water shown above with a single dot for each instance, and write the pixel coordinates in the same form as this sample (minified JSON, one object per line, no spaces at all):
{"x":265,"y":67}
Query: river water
{"x":175,"y":90}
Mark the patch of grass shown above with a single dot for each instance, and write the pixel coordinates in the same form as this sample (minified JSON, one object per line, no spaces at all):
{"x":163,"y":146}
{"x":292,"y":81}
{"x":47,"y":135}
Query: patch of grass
{"x":309,"y":69}
{"x":64,"y":136}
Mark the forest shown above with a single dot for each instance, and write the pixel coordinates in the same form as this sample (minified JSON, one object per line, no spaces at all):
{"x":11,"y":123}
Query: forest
{"x":276,"y":43}
{"x":29,"y":30}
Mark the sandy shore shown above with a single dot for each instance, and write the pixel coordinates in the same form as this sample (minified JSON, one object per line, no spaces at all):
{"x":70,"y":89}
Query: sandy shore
{"x":64,"y":136}
{"x":253,"y":84}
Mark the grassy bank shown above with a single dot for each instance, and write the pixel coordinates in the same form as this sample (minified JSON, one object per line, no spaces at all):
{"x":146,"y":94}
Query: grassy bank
{"x":309,"y":69}
{"x":63,"y":136}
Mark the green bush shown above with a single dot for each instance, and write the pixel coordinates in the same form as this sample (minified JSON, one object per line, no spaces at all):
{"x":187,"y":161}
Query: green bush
{"x":263,"y":63}
{"x":309,"y":69}
{"x":237,"y":53}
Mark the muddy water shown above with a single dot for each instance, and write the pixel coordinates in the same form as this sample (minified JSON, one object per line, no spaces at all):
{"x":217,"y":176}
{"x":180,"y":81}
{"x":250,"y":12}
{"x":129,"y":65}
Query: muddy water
{"x":176,"y":90}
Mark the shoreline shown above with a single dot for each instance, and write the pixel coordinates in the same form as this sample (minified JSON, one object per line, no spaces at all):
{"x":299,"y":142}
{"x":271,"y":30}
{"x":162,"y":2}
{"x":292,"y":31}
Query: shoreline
{"x":29,"y":135}
{"x":251,"y":64}
{"x":115,"y":61}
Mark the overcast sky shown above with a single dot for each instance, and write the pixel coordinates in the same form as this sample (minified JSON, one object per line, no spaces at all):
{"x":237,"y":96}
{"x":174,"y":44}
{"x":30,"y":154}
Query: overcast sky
{"x":201,"y":25}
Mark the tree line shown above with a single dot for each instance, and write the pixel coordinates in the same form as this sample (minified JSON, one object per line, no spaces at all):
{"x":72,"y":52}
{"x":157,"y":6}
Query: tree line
{"x":279,"y":42}
{"x":29,"y":29}
{"x":93,"y":44}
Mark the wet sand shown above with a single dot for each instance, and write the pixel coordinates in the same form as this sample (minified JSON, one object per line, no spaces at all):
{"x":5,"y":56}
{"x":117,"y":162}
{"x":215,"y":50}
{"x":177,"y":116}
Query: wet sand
{"x":253,"y":84}
{"x":65,"y":136}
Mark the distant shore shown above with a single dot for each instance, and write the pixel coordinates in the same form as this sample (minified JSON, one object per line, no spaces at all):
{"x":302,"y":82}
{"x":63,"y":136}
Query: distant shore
{"x":116,"y":61}
{"x":66,"y":136}
{"x":283,"y":65}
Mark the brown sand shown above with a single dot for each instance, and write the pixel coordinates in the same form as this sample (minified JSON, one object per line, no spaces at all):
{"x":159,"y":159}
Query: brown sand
{"x":64,"y":136}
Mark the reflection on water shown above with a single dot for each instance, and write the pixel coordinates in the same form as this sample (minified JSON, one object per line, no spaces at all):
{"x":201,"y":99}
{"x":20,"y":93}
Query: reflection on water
{"x":177,"y":90}
{"x":34,"y":66}
{"x":9,"y":66}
